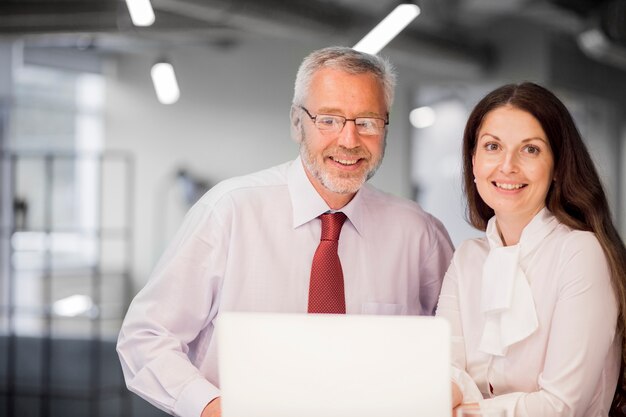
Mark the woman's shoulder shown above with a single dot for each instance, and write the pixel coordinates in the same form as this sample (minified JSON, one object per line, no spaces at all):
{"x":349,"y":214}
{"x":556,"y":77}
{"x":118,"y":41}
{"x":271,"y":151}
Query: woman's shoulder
{"x":571,"y":241}
{"x":576,"y":255}
{"x":476,"y":243}
{"x":472,"y":250}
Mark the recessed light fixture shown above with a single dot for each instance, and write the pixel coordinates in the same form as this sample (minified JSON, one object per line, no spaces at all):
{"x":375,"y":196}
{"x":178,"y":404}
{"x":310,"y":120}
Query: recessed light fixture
{"x":422,"y":117}
{"x":73,"y":306}
{"x":165,"y":83}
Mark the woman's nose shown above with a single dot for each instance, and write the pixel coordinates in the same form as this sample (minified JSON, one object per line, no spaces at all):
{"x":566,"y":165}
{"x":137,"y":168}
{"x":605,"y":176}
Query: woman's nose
{"x":509,"y":163}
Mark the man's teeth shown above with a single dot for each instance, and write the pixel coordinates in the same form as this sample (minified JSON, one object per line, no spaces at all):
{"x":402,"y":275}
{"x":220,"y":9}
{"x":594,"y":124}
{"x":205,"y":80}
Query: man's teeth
{"x":346,"y":161}
{"x":509,"y":186}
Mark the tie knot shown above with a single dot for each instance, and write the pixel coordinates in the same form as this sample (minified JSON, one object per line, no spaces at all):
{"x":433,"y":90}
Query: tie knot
{"x":331,"y":225}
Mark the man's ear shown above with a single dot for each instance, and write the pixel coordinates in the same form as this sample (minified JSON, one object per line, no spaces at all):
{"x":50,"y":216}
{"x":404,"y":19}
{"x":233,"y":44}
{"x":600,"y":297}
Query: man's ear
{"x":296,"y":124}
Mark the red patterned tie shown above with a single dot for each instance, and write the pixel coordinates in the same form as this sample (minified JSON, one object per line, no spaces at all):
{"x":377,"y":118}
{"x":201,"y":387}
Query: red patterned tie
{"x":326,"y":294}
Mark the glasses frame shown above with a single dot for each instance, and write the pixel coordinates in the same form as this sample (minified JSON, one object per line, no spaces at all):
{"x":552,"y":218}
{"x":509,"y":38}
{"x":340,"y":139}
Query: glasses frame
{"x":345,"y":120}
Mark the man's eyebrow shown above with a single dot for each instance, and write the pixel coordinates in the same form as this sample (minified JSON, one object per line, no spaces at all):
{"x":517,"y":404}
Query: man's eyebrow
{"x":339,"y":112}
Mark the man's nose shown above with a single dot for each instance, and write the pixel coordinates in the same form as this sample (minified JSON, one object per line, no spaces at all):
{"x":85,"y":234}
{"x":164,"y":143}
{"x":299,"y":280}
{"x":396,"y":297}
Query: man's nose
{"x":349,"y":136}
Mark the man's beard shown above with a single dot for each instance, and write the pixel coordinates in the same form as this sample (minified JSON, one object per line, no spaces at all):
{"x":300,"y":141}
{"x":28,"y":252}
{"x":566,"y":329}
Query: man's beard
{"x":340,"y":183}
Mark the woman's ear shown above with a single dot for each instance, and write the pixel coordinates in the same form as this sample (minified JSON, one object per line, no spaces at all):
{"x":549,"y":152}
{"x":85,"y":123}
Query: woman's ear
{"x":296,"y":127}
{"x":473,"y":172}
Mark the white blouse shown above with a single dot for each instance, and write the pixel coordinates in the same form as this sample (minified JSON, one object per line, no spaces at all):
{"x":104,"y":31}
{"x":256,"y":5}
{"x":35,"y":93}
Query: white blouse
{"x":534,"y":324}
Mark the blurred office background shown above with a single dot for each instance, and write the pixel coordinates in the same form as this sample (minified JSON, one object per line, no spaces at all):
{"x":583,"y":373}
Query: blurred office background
{"x":96,"y":174}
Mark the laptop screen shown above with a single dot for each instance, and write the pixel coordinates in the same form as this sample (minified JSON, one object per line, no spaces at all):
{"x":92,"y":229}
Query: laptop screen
{"x":308,"y":365}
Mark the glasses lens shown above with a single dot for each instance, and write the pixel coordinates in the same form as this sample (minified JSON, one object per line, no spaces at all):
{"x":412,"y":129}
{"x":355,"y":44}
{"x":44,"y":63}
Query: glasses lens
{"x":369,"y":125}
{"x":329,"y":123}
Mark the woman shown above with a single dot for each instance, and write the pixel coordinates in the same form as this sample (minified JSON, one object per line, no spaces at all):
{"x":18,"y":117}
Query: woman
{"x":537,"y":305}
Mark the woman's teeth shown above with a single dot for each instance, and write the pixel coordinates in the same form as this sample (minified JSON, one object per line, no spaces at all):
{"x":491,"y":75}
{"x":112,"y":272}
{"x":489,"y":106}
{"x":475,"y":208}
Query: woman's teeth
{"x":509,"y":186}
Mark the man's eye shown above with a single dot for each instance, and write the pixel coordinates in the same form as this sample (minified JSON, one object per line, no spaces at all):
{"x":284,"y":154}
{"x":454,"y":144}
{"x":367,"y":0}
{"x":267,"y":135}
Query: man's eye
{"x":366,"y":123}
{"x":326,"y":121}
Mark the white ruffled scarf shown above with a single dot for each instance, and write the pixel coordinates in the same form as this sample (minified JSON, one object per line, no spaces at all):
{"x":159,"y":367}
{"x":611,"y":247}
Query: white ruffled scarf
{"x":506,"y":301}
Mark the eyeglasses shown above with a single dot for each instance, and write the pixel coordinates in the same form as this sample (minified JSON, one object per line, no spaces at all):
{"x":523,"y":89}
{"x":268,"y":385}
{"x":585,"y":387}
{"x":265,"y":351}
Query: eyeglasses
{"x":329,"y":123}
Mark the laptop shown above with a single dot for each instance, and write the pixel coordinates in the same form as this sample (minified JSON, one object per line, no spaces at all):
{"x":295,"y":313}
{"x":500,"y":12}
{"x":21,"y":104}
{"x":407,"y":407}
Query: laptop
{"x":320,"y":365}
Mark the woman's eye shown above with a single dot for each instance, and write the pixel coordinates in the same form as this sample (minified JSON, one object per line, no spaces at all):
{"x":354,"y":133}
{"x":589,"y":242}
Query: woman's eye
{"x":533,"y":150}
{"x":491,"y":146}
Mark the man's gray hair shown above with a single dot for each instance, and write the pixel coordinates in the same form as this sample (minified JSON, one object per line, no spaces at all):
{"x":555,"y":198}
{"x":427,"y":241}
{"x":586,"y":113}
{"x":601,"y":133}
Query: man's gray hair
{"x":348,"y":60}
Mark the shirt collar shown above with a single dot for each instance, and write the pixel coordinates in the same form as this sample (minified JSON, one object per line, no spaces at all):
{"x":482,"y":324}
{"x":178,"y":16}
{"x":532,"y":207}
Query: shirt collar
{"x":507,"y":301}
{"x":539,"y":227}
{"x":308,"y":204}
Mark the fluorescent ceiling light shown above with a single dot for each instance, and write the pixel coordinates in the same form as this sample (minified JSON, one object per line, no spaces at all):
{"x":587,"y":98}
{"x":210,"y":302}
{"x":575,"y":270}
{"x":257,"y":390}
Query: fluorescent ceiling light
{"x":141,"y":12}
{"x":388,"y":29}
{"x":422,"y":117}
{"x":165,"y":83}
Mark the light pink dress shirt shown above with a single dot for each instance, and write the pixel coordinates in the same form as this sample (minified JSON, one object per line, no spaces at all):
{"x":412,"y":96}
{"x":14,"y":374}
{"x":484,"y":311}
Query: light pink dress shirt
{"x":247,"y":245}
{"x":569,"y":364}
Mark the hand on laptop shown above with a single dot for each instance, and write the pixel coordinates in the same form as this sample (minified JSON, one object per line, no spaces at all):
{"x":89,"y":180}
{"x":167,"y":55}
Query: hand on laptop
{"x":457,"y":396}
{"x":457,"y":400}
{"x":213,"y":408}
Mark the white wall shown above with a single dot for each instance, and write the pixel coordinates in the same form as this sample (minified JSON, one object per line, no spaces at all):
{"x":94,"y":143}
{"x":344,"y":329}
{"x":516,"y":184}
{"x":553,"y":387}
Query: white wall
{"x":232,"y":119}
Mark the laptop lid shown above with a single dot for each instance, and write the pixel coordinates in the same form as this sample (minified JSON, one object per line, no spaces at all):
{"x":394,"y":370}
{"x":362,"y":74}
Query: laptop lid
{"x":308,"y":365}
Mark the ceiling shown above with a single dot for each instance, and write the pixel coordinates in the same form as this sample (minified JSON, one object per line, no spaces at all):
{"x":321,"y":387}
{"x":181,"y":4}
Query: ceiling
{"x":452,"y":29}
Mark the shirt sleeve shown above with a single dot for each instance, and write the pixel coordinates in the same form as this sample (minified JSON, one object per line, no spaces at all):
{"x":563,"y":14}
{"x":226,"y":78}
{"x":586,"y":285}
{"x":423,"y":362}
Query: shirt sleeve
{"x":434,"y":266}
{"x":448,"y":308}
{"x":179,"y":301}
{"x":582,"y":333}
